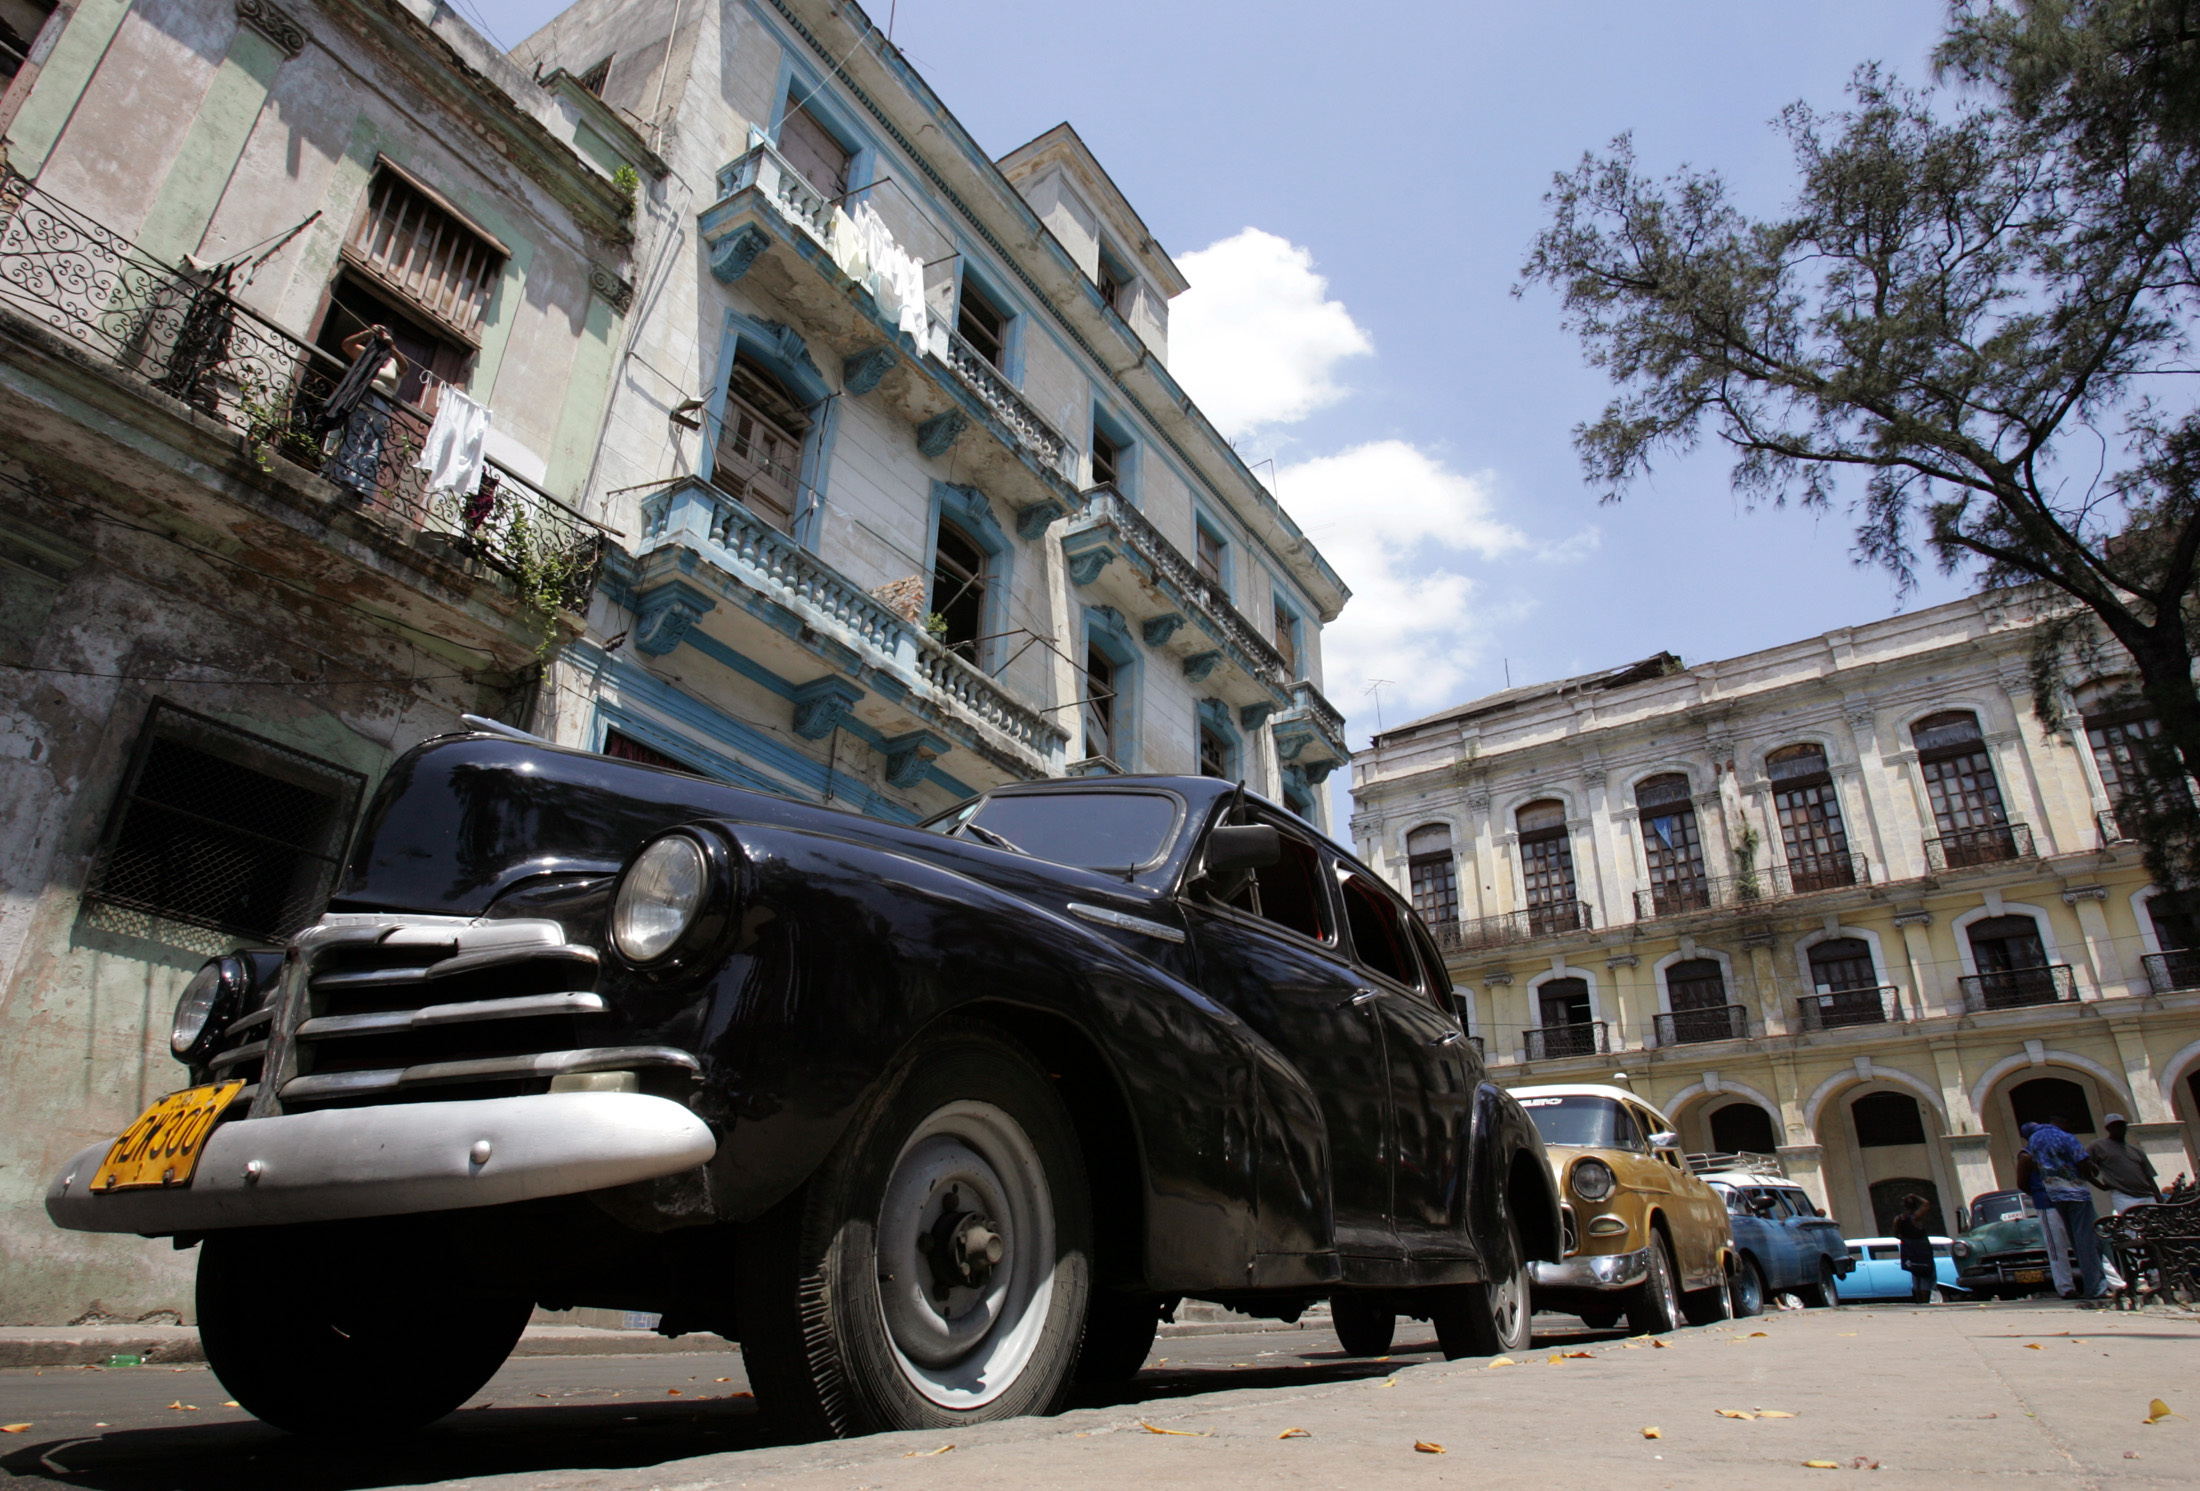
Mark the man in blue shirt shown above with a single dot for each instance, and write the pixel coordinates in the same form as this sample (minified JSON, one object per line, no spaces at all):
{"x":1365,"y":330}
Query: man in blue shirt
{"x":2060,"y":1165}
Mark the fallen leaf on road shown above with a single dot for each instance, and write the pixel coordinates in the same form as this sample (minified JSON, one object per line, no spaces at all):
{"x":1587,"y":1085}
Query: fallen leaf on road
{"x":1650,"y":1431}
{"x":2034,"y":1346}
{"x":2158,"y":1411}
{"x":13,"y":1428}
{"x":542,"y":1395}
{"x":103,"y":1425}
{"x":2131,"y":1454}
{"x":186,"y":1407}
{"x":1821,"y":1465}
{"x":1496,"y":1361}
{"x":1662,"y":1345}
{"x":1393,"y":1382}
{"x":943,"y":1449}
{"x":1181,"y":1433}
{"x":1294,"y":1434}
{"x":1860,"y":1463}
{"x":1733,"y":1413}
{"x":721,"y":1379}
{"x":1578,"y":1355}
{"x":1846,"y":1333}
{"x":1773,"y":1413}
{"x":231,"y":1403}
{"x":672,"y":1392}
{"x":1753,"y":1335}
{"x":740,"y":1395}
{"x":1426,"y":1448}
{"x":1241,"y":1364}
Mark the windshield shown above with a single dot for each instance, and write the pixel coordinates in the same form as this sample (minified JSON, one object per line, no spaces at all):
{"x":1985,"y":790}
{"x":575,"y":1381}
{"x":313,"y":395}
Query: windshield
{"x":1094,"y":830}
{"x":1999,"y":1206}
{"x":1583,"y":1122}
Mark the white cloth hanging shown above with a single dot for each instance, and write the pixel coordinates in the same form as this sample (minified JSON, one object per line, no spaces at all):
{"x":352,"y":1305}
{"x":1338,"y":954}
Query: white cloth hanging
{"x":452,"y":455}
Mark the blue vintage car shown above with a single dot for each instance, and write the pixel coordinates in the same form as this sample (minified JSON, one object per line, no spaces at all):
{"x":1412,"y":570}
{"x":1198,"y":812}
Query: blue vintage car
{"x":1880,"y":1275}
{"x":1782,"y":1243}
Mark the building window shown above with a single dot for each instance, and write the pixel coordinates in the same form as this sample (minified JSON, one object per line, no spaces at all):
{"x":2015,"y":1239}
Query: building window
{"x":2012,"y":962}
{"x":1434,"y":874}
{"x":1112,"y":279}
{"x":1959,"y":780}
{"x":1886,"y":1119}
{"x":1212,"y":554}
{"x":224,"y":829}
{"x":627,"y":748}
{"x":1217,"y":757}
{"x":2120,"y":750}
{"x":817,"y":157}
{"x":1743,"y":1128}
{"x":982,"y":324}
{"x":1100,"y":701}
{"x":594,"y":79}
{"x":1547,"y":867}
{"x":20,"y":25}
{"x":1842,"y":963}
{"x":759,"y":455}
{"x":2055,"y":1100}
{"x":1810,"y":818}
{"x":1567,"y":1022}
{"x":1696,"y":984}
{"x":959,"y":575}
{"x":1672,"y":845}
{"x":1107,"y":459}
{"x":415,"y":246}
{"x":1287,"y":641}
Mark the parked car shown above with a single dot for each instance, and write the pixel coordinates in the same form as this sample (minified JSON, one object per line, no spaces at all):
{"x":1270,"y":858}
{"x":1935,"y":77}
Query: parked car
{"x":932,"y":1120}
{"x":1880,"y":1275}
{"x":1645,"y":1238}
{"x":1782,"y":1242}
{"x":2003,"y":1252}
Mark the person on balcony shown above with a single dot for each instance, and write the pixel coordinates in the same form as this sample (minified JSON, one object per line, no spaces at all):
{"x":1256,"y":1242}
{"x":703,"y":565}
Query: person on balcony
{"x":362,"y":405}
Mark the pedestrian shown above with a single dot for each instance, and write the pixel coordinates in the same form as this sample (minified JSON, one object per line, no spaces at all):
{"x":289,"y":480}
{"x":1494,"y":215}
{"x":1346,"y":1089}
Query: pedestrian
{"x":1915,"y":1234}
{"x":2053,"y":1237}
{"x":2063,"y":1165}
{"x":2125,"y":1171}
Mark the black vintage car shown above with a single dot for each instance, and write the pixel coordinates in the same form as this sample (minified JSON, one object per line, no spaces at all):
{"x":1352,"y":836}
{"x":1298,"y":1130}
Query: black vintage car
{"x":933,"y":1121}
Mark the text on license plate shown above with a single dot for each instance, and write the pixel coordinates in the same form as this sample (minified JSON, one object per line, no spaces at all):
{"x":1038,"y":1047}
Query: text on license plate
{"x":163,"y":1147}
{"x":2029,"y":1276}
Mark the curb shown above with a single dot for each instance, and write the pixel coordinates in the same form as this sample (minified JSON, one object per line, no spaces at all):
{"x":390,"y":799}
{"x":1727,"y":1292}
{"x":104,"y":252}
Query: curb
{"x":173,"y":1345}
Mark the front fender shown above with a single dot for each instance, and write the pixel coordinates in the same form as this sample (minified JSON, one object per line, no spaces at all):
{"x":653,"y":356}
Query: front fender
{"x":1510,"y":1180}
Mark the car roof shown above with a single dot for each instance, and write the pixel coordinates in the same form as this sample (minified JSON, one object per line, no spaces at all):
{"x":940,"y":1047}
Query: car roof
{"x":1590,"y":1090}
{"x":1750,"y":1178}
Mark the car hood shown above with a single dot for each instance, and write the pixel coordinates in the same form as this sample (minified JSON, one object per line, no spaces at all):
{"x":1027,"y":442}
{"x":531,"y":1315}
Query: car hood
{"x":2019,"y":1234}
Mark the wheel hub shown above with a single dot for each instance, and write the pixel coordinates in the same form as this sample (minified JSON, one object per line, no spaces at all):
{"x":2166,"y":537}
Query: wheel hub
{"x":962,"y":1248}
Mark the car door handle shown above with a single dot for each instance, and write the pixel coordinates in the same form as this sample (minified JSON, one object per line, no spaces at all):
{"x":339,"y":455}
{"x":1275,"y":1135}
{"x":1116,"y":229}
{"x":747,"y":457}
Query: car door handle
{"x":1449,"y":1038}
{"x":1361,"y":998}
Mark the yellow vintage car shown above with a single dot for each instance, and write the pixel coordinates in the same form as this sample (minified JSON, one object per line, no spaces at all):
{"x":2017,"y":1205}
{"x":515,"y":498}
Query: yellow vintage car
{"x":1643,"y":1237}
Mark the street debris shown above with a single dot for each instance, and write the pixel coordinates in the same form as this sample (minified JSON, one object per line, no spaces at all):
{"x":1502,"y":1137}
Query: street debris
{"x":1821,"y":1465}
{"x":14,"y":1428}
{"x":185,"y":1407}
{"x":1426,"y":1448}
{"x":1650,"y":1431}
{"x":1733,"y":1413}
{"x":2158,"y":1411}
{"x":1861,"y":1463}
{"x":1495,"y":1361}
{"x":1294,"y":1434}
{"x":1181,"y":1433}
{"x":943,"y":1449}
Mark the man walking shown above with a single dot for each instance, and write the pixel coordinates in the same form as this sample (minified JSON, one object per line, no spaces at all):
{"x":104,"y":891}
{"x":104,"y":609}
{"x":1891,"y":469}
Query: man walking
{"x":2062,"y":1163}
{"x":1915,"y":1234}
{"x":2125,"y":1171}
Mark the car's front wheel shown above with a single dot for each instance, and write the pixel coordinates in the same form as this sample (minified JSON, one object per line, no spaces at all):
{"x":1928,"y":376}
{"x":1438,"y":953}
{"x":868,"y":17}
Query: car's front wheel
{"x":322,"y":1339}
{"x":1656,"y":1306}
{"x":1823,"y":1294}
{"x":1749,"y":1290}
{"x":935,"y":1270}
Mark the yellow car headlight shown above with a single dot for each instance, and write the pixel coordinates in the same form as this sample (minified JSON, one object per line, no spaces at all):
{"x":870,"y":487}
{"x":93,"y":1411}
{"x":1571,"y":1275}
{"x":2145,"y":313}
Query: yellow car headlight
{"x":1591,"y":1179}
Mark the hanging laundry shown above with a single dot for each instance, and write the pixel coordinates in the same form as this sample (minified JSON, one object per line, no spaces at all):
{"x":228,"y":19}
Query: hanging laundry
{"x":845,"y":244}
{"x":452,"y":454}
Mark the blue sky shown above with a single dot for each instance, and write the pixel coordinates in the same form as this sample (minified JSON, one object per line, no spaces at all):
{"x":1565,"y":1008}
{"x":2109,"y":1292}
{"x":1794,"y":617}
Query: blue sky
{"x":1391,"y":162}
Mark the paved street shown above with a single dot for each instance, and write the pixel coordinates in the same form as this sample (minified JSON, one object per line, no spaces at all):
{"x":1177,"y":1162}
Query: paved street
{"x":2000,"y":1393}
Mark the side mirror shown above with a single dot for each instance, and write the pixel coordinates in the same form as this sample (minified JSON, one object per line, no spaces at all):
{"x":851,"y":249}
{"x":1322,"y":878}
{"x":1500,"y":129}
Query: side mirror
{"x":1253,"y":846}
{"x":1665,"y":1139}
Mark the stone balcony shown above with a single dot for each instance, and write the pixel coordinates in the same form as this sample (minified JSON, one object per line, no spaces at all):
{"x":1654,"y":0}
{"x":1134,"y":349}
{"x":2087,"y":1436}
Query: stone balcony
{"x":1178,"y":612}
{"x":1310,"y":735}
{"x":709,"y":571}
{"x":770,"y":233}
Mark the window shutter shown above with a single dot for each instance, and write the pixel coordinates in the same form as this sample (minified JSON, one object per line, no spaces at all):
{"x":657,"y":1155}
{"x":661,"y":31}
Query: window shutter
{"x":414,"y":244}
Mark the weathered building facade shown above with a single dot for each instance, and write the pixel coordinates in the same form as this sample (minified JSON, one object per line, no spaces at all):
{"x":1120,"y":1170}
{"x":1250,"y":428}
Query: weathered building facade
{"x":1849,"y":898}
{"x":916,"y":506}
{"x":229,"y":594}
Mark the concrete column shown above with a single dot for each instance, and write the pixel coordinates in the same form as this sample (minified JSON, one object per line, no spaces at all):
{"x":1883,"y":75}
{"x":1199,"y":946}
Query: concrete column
{"x":1974,"y":1165}
{"x":1872,"y":806}
{"x":1593,"y":828}
{"x":1481,"y":867}
{"x":1805,"y":1166}
{"x":2138,"y":1065}
{"x":1628,"y":1009}
{"x":1955,"y":1095}
{"x":1927,"y":995}
{"x":2101,"y":966}
{"x":2168,"y":1145}
{"x":1771,"y":1008}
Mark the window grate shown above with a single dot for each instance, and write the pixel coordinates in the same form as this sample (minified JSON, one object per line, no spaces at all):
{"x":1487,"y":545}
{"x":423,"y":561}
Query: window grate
{"x":223,"y":829}
{"x":417,"y":247}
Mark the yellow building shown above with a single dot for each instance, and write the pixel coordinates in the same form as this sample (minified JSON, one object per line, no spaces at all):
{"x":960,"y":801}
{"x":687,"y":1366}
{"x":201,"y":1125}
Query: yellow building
{"x":1850,"y":898}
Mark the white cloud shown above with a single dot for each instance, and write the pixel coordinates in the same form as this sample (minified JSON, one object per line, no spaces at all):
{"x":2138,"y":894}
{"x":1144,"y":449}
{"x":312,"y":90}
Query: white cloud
{"x":1256,"y":339}
{"x":1399,"y":526}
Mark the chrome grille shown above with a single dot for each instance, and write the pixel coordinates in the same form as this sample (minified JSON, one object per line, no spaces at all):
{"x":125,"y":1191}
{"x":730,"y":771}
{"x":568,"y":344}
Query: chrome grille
{"x":397,"y":1009}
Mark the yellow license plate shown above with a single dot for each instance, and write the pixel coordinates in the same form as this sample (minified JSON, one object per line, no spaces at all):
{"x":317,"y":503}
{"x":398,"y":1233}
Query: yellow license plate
{"x":163,"y":1147}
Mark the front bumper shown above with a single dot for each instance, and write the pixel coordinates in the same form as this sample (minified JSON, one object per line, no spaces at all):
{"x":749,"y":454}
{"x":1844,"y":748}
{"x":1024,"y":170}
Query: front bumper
{"x":397,"y":1158}
{"x":1604,"y":1273}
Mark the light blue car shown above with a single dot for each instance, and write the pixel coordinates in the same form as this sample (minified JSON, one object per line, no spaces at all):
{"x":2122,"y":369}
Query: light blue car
{"x":1879,"y":1273}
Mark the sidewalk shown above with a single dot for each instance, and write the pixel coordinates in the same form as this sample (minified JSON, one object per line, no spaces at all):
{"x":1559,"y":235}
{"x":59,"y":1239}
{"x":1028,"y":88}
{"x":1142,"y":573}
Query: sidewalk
{"x":96,"y":1345}
{"x":1980,"y":1395}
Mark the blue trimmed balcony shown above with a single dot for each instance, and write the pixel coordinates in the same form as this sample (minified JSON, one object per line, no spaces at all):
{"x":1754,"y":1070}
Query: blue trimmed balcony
{"x":769,"y":233}
{"x":1309,"y":736}
{"x":712,"y":575}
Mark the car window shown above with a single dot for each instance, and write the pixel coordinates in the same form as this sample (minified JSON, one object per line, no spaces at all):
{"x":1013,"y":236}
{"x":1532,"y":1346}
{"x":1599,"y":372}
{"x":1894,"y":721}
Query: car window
{"x":1582,"y":1121}
{"x":1766,"y":1203}
{"x":1094,"y":830}
{"x":1882,"y":1254}
{"x":1798,"y":1204}
{"x":1435,"y":978}
{"x":1943,"y":1250}
{"x":1378,"y":938}
{"x":1288,"y":893}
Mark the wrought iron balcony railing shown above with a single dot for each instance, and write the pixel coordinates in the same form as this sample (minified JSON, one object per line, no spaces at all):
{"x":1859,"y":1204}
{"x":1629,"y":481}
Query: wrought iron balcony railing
{"x":1550,"y":1042}
{"x":1966,"y":847}
{"x":1680,"y":894}
{"x":1837,"y":1009}
{"x":2018,"y":988}
{"x":1728,"y":1022}
{"x":185,"y":333}
{"x":2176,"y":969}
{"x":1507,"y":928}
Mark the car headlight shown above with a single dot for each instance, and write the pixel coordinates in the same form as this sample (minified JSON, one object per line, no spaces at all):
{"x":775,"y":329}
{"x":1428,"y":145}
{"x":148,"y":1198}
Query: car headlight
{"x":208,"y":991}
{"x":659,"y":898}
{"x":1592,"y":1179}
{"x":1959,"y":1249}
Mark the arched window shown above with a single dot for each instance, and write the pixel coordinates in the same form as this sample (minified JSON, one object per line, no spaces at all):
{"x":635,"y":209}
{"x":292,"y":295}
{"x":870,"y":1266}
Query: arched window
{"x":759,"y":456}
{"x":2121,"y":726}
{"x":1699,"y":1006}
{"x":1810,"y":819}
{"x":1547,"y":867}
{"x":1671,"y":845}
{"x":1889,"y":1198}
{"x":2056,"y":1100}
{"x":1434,"y":874}
{"x":1567,"y":1030}
{"x":1844,"y":986}
{"x":2012,"y":964}
{"x":1743,"y":1128}
{"x":1968,"y":815}
{"x":1886,"y":1119}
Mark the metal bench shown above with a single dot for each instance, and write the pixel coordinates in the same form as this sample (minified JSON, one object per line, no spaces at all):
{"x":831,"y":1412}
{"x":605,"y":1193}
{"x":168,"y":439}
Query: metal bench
{"x":2157,"y":1243}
